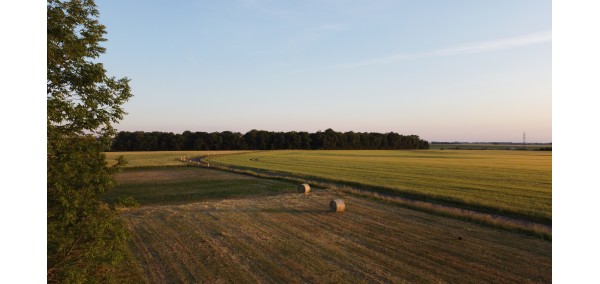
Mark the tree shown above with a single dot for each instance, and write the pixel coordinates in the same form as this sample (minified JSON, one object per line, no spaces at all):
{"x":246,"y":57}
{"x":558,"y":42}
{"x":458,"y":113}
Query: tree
{"x":85,"y":240}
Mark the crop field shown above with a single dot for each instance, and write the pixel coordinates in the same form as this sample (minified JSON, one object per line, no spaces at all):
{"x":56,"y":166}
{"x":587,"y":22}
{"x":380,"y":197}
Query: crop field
{"x":511,"y":183}
{"x":201,"y":225}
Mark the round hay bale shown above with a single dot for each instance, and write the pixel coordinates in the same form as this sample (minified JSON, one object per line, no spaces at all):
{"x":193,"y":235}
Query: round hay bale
{"x":337,"y":205}
{"x":304,"y":188}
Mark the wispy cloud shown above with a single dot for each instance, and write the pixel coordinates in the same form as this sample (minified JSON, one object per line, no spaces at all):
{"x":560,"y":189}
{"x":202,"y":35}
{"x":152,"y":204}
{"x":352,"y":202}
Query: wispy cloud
{"x":477,"y":47}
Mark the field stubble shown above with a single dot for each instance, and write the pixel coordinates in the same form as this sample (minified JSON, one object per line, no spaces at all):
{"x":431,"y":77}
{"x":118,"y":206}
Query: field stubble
{"x":284,"y":236}
{"x":292,"y":237}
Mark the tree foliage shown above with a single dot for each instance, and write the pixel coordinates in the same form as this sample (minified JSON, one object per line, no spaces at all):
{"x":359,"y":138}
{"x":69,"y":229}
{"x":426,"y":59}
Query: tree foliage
{"x":80,"y":95}
{"x":85,"y":241}
{"x":265,"y":140}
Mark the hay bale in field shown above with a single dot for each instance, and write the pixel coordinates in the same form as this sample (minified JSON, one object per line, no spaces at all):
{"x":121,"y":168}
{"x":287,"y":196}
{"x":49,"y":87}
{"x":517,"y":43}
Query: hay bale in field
{"x":304,"y":188}
{"x":337,"y":205}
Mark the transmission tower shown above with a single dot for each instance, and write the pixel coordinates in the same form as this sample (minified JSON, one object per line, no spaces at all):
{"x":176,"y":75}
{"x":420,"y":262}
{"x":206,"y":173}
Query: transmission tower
{"x":524,"y":140}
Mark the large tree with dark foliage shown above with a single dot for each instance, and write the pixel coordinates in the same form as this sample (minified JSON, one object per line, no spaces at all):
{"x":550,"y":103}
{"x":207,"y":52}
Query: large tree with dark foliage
{"x":85,"y":240}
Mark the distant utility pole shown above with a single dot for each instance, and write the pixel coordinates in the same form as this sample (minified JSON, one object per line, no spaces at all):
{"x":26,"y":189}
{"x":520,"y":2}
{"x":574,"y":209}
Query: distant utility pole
{"x":524,"y":140}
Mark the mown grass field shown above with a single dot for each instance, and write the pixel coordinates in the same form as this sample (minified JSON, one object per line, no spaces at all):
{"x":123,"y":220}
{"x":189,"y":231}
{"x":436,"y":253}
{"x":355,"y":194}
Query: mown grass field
{"x":512,"y":183}
{"x":158,"y":158}
{"x":176,"y":185}
{"x":272,"y":234}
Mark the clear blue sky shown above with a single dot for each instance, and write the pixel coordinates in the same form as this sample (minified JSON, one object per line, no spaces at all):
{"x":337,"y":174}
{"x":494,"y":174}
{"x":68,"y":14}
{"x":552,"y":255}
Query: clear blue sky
{"x":443,"y":70}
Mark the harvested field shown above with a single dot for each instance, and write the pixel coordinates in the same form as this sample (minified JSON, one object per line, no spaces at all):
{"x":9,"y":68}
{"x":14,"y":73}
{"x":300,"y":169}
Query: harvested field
{"x":293,"y":238}
{"x":203,"y":225}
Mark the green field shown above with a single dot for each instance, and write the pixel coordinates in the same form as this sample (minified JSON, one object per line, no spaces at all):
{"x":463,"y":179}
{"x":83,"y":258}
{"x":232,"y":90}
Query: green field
{"x":512,"y":183}
{"x":158,"y":158}
{"x":177,"y":185}
{"x":199,"y":225}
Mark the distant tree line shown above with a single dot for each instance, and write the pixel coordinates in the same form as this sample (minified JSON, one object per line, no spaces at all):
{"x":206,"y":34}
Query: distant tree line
{"x":264,"y":140}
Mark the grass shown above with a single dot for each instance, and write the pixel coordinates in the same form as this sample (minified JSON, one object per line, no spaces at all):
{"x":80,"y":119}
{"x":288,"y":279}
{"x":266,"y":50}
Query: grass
{"x":158,"y":158}
{"x":515,"y":225}
{"x":177,"y":185}
{"x":510,"y":183}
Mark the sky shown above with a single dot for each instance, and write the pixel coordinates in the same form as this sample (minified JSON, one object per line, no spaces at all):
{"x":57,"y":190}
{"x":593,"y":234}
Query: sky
{"x":470,"y":71}
{"x":397,"y":39}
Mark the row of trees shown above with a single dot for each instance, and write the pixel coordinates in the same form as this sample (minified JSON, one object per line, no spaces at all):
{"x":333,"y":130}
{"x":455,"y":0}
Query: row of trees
{"x":264,"y":140}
